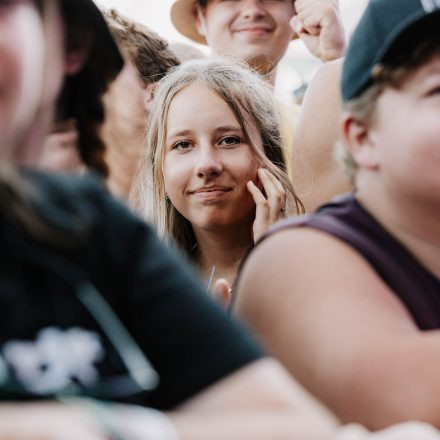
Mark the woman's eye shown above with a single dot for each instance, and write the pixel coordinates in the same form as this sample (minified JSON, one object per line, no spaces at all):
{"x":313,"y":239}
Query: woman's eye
{"x":230,"y":140}
{"x":181,"y":145}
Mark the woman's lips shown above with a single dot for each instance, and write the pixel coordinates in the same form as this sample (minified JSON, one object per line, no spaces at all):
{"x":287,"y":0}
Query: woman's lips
{"x":210,"y":193}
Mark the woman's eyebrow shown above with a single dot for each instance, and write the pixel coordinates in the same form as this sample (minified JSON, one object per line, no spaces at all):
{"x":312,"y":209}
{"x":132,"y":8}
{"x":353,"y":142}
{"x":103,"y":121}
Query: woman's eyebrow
{"x":228,"y":128}
{"x":178,"y":133}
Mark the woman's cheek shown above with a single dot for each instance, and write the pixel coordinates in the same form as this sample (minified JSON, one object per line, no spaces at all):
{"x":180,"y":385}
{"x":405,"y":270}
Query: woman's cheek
{"x":176,"y":178}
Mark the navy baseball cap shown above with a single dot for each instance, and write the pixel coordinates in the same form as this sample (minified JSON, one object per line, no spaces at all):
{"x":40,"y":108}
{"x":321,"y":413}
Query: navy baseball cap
{"x":383,"y":25}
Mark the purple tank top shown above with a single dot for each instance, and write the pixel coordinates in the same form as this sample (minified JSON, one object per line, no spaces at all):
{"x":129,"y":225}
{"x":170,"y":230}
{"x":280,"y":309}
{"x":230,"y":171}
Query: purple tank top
{"x":345,"y":218}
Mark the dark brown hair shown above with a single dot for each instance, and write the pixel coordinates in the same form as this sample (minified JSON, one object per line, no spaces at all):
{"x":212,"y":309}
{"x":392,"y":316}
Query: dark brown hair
{"x":81,"y":96}
{"x":147,"y":50}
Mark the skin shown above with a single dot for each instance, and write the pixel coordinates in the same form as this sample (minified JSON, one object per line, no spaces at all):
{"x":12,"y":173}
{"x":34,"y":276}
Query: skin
{"x":23,"y":74}
{"x":211,"y":175}
{"x":261,"y":388}
{"x":317,"y":174}
{"x":255,"y":31}
{"x":60,"y":150}
{"x":317,"y":22}
{"x":349,"y":330}
{"x":259,"y":31}
{"x":127,"y":106}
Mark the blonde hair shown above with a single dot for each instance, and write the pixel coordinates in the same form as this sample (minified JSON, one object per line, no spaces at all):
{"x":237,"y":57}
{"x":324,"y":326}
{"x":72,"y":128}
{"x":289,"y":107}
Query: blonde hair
{"x":251,"y":100}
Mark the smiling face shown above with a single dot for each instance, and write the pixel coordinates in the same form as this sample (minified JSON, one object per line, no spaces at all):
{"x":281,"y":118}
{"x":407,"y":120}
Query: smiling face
{"x":207,"y":161}
{"x":254,"y":31}
{"x":27,"y":89}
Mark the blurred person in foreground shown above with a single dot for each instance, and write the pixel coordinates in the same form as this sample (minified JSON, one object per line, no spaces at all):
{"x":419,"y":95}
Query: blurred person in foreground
{"x":92,"y":304}
{"x":124,"y":103}
{"x":355,"y":288}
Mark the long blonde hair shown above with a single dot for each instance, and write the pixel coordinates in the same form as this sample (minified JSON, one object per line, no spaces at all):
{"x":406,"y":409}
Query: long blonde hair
{"x":249,"y":97}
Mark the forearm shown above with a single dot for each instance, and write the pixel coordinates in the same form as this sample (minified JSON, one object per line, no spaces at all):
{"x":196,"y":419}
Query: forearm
{"x":277,"y":424}
{"x":393,"y":384}
{"x":259,"y":402}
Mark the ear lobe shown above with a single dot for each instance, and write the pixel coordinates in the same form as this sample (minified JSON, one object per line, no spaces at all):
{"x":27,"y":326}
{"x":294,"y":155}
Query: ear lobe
{"x":359,"y":142}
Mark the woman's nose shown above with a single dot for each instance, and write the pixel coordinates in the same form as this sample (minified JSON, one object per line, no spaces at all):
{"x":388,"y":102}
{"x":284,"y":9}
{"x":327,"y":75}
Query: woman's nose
{"x":208,"y":163}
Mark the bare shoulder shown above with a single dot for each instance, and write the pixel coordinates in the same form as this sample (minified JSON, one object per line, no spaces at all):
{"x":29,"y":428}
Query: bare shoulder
{"x":320,"y":308}
{"x":306,"y":267}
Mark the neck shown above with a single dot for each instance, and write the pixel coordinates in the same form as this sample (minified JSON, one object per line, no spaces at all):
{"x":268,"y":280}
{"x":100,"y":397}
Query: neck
{"x":414,"y":222}
{"x":223,"y":249}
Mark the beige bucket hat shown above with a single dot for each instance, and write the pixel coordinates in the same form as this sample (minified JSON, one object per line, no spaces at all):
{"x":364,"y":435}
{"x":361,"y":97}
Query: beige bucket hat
{"x":183,"y":18}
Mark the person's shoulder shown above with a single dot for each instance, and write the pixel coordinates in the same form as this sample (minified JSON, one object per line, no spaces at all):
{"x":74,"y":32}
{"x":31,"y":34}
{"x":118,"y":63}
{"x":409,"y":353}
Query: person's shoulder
{"x":297,"y":245}
{"x":64,"y":187}
{"x":67,"y":200}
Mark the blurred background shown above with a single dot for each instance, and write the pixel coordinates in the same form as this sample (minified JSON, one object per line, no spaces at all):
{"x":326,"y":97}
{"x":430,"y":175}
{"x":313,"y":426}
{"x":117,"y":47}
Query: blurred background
{"x":294,"y":72}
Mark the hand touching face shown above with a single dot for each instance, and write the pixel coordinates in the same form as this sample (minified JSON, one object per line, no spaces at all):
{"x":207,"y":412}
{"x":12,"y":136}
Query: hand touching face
{"x":270,"y":202}
{"x":208,"y":161}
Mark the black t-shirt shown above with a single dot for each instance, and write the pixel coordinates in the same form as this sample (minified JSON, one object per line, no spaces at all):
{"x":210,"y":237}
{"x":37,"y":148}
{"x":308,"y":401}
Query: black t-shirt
{"x":58,"y":335}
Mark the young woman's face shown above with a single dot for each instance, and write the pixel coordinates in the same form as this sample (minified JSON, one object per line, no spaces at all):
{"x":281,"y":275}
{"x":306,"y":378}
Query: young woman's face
{"x":27,"y":89}
{"x":207,"y":161}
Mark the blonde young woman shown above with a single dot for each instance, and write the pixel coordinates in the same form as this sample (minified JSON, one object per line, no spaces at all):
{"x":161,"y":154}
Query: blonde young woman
{"x":213,"y":177}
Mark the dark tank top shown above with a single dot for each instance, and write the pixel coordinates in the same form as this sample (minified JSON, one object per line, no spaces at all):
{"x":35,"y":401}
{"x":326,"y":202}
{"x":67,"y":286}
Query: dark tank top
{"x":346,"y":219}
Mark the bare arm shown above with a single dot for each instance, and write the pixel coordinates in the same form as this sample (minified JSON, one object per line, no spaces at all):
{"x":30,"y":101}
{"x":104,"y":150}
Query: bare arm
{"x":340,"y":331}
{"x":258,"y":402}
{"x":317,"y":176}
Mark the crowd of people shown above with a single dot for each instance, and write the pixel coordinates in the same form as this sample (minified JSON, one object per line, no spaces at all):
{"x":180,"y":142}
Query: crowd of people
{"x":185,"y":257}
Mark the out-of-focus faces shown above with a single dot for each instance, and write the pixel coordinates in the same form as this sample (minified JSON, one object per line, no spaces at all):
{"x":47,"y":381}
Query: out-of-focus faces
{"x":28,"y":88}
{"x":207,"y":161}
{"x":127,"y":105}
{"x":60,"y":150}
{"x":255,"y":31}
{"x":405,"y":133}
{"x":127,"y":102}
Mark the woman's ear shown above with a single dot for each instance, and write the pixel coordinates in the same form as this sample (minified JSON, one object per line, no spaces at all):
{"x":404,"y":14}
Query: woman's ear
{"x":359,"y":141}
